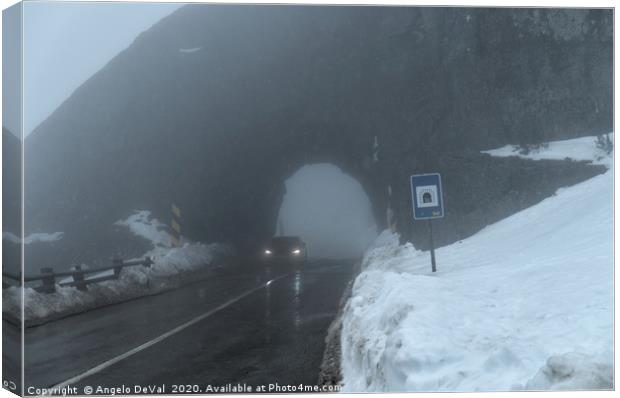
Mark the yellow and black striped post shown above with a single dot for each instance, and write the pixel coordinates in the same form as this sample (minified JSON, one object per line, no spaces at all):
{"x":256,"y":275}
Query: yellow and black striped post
{"x":175,"y":224}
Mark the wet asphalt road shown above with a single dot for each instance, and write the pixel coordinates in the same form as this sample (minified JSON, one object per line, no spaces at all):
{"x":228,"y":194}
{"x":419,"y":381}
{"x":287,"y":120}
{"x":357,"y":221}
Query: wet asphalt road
{"x":241,"y":330}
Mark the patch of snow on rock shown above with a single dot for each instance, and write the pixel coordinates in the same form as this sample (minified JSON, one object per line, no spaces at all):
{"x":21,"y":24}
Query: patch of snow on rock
{"x":580,"y":149}
{"x":189,"y":50}
{"x":142,"y":224}
{"x":33,"y":238}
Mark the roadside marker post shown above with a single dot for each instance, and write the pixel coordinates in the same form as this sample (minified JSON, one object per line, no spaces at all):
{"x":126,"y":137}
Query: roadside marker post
{"x":175,"y":224}
{"x":427,"y":200}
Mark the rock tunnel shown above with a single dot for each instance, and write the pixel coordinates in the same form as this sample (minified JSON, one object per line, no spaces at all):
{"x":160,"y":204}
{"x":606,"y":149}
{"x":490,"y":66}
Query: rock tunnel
{"x":380,"y":92}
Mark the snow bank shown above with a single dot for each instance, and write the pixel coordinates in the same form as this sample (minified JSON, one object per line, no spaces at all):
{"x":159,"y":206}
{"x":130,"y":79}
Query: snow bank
{"x":526,"y":303}
{"x":172,"y":268}
{"x":33,"y":238}
{"x":583,"y":148}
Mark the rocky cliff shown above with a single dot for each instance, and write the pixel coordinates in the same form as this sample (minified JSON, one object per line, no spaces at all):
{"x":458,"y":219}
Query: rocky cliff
{"x":215,"y":106}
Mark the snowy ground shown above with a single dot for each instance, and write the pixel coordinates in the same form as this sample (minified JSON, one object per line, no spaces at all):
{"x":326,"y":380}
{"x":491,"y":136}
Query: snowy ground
{"x":172,"y":268}
{"x":526,"y":303}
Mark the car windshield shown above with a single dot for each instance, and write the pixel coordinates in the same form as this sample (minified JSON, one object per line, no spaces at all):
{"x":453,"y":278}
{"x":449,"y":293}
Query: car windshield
{"x":284,"y":242}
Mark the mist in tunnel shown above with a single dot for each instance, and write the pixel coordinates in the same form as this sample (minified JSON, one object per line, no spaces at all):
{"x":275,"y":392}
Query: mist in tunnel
{"x":329,"y":210}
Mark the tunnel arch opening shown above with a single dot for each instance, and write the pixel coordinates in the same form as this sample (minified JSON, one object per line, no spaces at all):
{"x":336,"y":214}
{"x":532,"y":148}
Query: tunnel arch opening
{"x":329,"y":209}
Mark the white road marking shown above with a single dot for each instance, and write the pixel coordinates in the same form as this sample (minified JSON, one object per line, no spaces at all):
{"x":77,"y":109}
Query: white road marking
{"x":164,"y":336}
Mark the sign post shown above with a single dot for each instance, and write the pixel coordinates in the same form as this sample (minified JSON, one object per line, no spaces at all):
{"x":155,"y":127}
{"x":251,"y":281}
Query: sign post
{"x":433,"y":265}
{"x":427,"y":200}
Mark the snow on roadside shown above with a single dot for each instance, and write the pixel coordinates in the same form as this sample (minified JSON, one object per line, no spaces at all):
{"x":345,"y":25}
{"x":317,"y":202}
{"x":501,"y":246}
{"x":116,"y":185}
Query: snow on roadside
{"x":172,"y":268}
{"x":583,"y":148}
{"x":525,"y":304}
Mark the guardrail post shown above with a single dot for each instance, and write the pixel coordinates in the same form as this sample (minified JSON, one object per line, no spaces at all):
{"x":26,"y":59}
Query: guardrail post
{"x":147,"y":262}
{"x":118,"y":266}
{"x":48,"y":280}
{"x":78,"y":278}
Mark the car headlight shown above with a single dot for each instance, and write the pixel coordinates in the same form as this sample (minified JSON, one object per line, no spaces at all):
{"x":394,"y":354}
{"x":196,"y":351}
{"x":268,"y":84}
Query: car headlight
{"x":267,"y":251}
{"x":296,"y":251}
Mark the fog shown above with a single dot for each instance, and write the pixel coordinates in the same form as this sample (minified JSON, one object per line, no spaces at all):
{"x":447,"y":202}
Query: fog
{"x":329,"y":210}
{"x":66,"y":43}
{"x":11,"y":71}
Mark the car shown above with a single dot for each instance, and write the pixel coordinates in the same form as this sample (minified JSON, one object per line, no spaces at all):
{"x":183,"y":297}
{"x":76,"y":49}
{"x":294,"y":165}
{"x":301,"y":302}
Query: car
{"x":288,"y":249}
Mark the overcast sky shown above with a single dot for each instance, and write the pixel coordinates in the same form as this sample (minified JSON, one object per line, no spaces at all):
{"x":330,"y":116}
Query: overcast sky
{"x":66,"y":42}
{"x":11,"y":100}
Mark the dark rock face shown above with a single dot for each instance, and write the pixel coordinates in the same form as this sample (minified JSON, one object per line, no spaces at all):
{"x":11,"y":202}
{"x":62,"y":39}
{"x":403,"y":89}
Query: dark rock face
{"x":215,"y":106}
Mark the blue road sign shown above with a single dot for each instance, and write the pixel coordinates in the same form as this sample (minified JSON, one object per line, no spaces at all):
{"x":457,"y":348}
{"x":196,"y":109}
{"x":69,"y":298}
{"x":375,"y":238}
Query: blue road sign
{"x":426,"y":196}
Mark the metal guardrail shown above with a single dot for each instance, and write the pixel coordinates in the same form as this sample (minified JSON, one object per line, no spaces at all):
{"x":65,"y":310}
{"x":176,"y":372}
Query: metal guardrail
{"x":48,"y":277}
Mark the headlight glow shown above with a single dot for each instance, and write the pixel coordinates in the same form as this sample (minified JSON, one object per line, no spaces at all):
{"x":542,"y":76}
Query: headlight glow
{"x":296,"y":251}
{"x":267,"y":251}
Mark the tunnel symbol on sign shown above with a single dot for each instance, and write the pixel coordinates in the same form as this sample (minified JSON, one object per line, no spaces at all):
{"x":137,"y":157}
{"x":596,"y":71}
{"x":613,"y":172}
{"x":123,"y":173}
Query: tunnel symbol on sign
{"x":427,"y":196}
